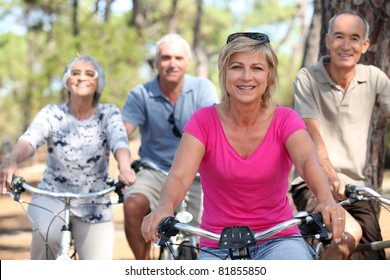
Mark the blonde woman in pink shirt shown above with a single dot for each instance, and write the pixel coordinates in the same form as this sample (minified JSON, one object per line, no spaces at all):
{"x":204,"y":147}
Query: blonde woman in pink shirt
{"x":244,"y":148}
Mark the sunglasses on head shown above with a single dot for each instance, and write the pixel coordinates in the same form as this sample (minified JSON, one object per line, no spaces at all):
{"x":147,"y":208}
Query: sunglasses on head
{"x":261,"y":37}
{"x":175,"y":130}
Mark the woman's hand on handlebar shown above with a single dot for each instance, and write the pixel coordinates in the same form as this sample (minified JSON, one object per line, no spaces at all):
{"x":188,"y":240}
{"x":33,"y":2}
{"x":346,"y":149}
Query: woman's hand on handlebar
{"x":151,"y":222}
{"x":126,"y":173}
{"x":333,"y":217}
{"x":127,"y":176}
{"x":7,"y":169}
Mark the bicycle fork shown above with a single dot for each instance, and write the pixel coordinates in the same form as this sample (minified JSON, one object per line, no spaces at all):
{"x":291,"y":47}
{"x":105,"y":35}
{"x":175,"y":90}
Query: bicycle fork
{"x":66,"y":234}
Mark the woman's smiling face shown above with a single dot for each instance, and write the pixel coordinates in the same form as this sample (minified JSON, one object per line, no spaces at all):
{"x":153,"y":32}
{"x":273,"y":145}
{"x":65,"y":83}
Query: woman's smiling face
{"x":83,"y":79}
{"x":247,"y":76}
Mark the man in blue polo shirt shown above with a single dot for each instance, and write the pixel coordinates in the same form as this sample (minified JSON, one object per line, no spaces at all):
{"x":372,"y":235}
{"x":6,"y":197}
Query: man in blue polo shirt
{"x":160,"y":108}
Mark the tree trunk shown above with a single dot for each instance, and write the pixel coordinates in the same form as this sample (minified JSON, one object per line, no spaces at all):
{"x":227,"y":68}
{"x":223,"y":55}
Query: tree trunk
{"x":172,"y":25}
{"x":107,"y":10}
{"x":75,"y":21}
{"x":137,"y":19}
{"x":199,"y":53}
{"x":311,"y":52}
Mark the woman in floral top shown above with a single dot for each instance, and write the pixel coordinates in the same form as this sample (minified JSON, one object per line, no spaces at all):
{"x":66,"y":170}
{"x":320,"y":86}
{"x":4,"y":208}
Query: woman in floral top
{"x":79,"y":136}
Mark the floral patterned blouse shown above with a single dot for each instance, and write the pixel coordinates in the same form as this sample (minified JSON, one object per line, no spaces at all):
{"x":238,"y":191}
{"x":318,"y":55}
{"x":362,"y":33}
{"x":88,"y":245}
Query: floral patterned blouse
{"x":78,"y":154}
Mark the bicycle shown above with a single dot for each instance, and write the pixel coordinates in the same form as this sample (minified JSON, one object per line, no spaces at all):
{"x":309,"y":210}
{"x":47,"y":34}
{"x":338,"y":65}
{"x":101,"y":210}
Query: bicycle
{"x":18,"y":186}
{"x":238,"y":239}
{"x":182,"y":246}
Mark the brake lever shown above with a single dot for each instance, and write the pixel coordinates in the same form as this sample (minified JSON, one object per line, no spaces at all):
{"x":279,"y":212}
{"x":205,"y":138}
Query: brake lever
{"x":166,"y":229}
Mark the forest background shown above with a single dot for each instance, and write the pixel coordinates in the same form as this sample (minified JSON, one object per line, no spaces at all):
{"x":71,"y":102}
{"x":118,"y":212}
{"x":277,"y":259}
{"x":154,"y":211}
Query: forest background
{"x":39,"y":37}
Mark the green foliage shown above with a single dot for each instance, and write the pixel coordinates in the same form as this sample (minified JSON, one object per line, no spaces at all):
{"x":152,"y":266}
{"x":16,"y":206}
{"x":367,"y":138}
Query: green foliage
{"x":284,"y":95}
{"x":32,"y":64}
{"x":220,"y":22}
{"x":13,"y":72}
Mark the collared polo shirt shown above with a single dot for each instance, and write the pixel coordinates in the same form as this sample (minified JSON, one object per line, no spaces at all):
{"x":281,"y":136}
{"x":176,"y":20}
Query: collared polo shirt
{"x":149,"y":110}
{"x":345,"y":117}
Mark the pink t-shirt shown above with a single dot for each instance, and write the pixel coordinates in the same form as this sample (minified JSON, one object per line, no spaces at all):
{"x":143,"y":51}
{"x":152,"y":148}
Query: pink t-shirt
{"x":244,"y":191}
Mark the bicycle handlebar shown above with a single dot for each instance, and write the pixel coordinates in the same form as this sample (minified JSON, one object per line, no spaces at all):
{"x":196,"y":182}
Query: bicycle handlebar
{"x":238,"y":236}
{"x":356,"y":193}
{"x":19,"y":185}
{"x":310,"y":225}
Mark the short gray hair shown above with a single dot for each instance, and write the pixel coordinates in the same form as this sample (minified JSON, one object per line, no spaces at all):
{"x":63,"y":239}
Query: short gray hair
{"x":101,"y":76}
{"x":172,"y":38}
{"x":350,"y":12}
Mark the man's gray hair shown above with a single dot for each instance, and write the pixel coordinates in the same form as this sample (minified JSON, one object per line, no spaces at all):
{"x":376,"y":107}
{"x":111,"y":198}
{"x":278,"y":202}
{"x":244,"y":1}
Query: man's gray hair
{"x":172,"y":38}
{"x":350,"y":12}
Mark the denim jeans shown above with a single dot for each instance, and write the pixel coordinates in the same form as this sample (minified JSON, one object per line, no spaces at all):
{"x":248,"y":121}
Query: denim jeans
{"x":276,"y":249}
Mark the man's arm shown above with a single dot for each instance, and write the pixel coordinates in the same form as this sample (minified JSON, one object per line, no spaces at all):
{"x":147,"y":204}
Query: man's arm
{"x":129,"y":128}
{"x":337,"y":187}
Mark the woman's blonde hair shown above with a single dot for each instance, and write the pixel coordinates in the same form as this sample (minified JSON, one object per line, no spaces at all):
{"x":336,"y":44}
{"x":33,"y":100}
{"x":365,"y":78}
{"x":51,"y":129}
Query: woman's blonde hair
{"x":246,"y":45}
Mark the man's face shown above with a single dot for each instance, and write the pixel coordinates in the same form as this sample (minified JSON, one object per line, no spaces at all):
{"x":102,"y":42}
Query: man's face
{"x":172,"y":63}
{"x":347,"y":43}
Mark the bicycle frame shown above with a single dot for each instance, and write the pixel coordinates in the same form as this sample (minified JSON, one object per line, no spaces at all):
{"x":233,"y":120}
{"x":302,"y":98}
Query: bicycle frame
{"x":18,"y":186}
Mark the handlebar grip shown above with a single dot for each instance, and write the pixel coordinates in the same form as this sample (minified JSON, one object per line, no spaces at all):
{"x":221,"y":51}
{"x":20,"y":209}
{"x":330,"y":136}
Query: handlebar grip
{"x":136,"y":165}
{"x":349,"y":190}
{"x":118,"y":190}
{"x":166,"y":229}
{"x":315,"y":226}
{"x":317,"y":217}
{"x":17,"y":186}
